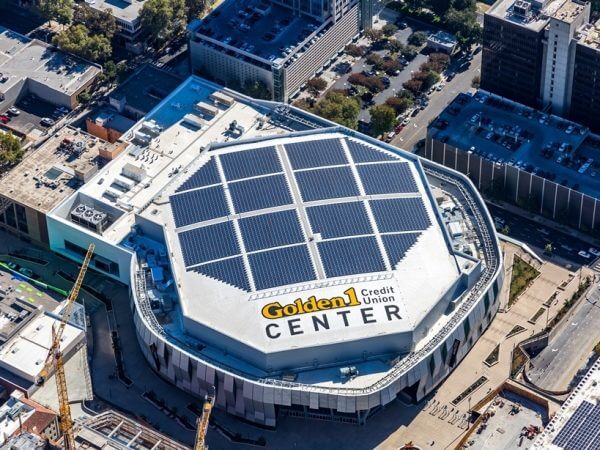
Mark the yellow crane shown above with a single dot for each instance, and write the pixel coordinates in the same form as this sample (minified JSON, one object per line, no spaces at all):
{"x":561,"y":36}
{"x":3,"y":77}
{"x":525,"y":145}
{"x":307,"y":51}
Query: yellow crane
{"x":209,"y":402}
{"x":55,"y":359}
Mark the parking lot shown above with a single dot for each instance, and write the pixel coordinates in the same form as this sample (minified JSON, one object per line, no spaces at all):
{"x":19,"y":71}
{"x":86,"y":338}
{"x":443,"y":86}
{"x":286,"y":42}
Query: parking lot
{"x":31,"y":112}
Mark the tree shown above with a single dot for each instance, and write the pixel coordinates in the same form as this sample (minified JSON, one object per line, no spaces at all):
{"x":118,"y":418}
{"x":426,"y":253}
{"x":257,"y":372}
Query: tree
{"x":418,"y":38}
{"x":339,"y":108}
{"x":548,"y":248}
{"x":355,"y":50}
{"x":84,"y":97}
{"x":430,"y":79}
{"x":77,"y":40}
{"x":10,"y":148}
{"x":159,"y":19}
{"x":413,"y":85}
{"x":440,"y":6}
{"x":476,"y":81}
{"x":374,"y":35}
{"x":390,"y":66}
{"x":58,"y":10}
{"x":96,"y":21}
{"x":196,"y":8}
{"x":257,"y":89}
{"x":316,"y":85}
{"x":389,"y":29}
{"x":383,"y":119}
{"x":399,"y":104}
{"x":374,"y":84}
{"x":505,"y":230}
{"x":395,"y":46}
{"x":465,"y":26}
{"x":114,"y":71}
{"x":375,"y":60}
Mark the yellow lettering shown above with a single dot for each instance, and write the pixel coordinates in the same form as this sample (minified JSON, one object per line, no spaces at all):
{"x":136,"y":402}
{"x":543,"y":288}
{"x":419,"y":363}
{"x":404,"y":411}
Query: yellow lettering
{"x":351,"y":293}
{"x":272,"y":311}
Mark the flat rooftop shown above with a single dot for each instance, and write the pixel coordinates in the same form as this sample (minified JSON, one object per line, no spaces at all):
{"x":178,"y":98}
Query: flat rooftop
{"x":510,"y":133}
{"x":22,"y":58}
{"x":540,"y":13}
{"x":146,"y":88}
{"x":576,"y":426}
{"x":589,"y":35}
{"x":266,"y":30}
{"x":121,"y":9}
{"x":109,"y":118}
{"x":54,"y":171}
{"x":184,"y":131}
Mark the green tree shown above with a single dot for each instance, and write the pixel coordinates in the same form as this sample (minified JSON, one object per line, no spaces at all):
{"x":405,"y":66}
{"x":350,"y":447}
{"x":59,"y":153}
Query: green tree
{"x":400,"y":104}
{"x":339,"y":108}
{"x":440,"y":6}
{"x":97,"y":22}
{"x":394,"y":45}
{"x":383,"y":119}
{"x":389,"y":29}
{"x":157,"y":19}
{"x":548,"y":248}
{"x":476,"y":82}
{"x":355,"y":50}
{"x":418,"y":38}
{"x":10,"y":148}
{"x":465,"y":26}
{"x":78,"y":40}
{"x":373,"y":35}
{"x":59,"y":10}
{"x":196,"y":8}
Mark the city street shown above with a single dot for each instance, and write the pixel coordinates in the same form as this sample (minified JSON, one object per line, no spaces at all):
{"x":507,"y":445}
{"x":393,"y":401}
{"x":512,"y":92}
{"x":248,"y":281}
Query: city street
{"x":567,"y":351}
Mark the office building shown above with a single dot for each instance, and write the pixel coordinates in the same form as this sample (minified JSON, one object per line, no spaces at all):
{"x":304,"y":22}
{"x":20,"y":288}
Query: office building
{"x":279,"y":43}
{"x":127,"y":15}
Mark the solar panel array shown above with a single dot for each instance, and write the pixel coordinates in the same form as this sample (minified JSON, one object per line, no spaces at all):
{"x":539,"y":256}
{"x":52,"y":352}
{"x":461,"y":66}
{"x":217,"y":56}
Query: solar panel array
{"x":344,"y":208}
{"x":582,"y":430}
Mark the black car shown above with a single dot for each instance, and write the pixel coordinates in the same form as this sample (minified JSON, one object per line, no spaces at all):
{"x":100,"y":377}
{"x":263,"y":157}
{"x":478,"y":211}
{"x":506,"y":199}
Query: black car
{"x":386,"y":81}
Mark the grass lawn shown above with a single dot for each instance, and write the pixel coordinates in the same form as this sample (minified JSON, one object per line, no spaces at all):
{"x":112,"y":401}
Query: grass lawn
{"x":522,"y":275}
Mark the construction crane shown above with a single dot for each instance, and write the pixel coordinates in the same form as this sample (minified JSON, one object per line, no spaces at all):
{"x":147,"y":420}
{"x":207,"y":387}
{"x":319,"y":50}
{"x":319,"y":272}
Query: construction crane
{"x":55,"y":359}
{"x":209,"y":402}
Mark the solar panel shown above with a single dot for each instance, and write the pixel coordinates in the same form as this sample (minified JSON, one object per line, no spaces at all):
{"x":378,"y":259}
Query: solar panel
{"x":573,"y":425}
{"x":362,"y":153}
{"x":204,"y":176}
{"x":351,"y":256}
{"x":320,"y":153}
{"x":250,"y":163}
{"x":231,"y":271}
{"x":208,"y":243}
{"x":199,"y":205}
{"x":387,"y":178}
{"x":282,"y":266}
{"x":335,"y":182}
{"x":588,"y":433}
{"x":271,"y":230}
{"x":400,"y":214}
{"x":397,"y":245}
{"x":260,"y":193}
{"x":339,"y":219}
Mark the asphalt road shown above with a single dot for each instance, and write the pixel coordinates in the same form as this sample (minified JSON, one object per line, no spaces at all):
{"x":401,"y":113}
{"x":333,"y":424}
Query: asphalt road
{"x":537,"y":236}
{"x":557,"y":364}
{"x":438,"y":100}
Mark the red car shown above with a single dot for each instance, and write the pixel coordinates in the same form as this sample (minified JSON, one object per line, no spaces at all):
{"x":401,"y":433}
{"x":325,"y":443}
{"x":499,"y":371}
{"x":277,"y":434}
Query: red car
{"x":4,"y":119}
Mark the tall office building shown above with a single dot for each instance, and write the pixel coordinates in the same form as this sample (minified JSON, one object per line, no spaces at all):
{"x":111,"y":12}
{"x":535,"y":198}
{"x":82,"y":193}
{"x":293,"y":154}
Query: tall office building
{"x":543,"y":54}
{"x":281,"y":43}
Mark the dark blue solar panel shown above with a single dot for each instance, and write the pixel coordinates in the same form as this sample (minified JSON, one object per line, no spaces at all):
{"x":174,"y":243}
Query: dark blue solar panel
{"x":397,"y":245}
{"x":231,"y":271}
{"x":199,"y":205}
{"x":271,"y":230}
{"x":573,"y":424}
{"x":250,"y":163}
{"x":362,"y":153}
{"x":308,"y":154}
{"x":387,"y":178}
{"x":335,"y":182}
{"x":351,"y":256}
{"x":204,"y":176}
{"x":260,"y":193}
{"x":339,"y":219}
{"x":207,"y":243}
{"x":400,"y":214}
{"x":588,"y":435}
{"x":281,"y":266}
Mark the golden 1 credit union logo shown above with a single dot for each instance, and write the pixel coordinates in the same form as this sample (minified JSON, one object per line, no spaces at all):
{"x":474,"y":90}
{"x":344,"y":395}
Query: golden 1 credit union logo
{"x":315,"y":315}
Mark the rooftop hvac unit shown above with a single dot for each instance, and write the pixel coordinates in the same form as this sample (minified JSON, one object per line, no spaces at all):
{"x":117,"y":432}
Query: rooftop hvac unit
{"x":151,"y":127}
{"x":522,"y":9}
{"x":89,"y":217}
{"x":143,"y":138}
{"x":348,"y":373}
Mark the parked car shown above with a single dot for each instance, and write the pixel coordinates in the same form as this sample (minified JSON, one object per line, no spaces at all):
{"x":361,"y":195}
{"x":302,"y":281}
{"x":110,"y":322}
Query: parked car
{"x":405,"y":121}
{"x":47,"y":122}
{"x":4,"y":118}
{"x":13,"y":111}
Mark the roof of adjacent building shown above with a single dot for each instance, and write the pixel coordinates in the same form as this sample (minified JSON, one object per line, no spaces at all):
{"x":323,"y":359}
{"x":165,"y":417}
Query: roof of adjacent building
{"x":22,"y":58}
{"x":146,"y":88}
{"x":127,"y":11}
{"x":589,"y":35}
{"x":109,"y":118}
{"x":539,"y":14}
{"x":55,"y":170}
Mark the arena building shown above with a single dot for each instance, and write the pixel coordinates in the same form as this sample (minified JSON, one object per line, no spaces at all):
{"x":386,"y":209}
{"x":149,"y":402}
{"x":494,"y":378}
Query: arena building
{"x":297,"y":266}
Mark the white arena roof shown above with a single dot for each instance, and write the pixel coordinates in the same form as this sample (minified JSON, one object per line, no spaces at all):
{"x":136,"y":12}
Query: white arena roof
{"x":319,"y":240}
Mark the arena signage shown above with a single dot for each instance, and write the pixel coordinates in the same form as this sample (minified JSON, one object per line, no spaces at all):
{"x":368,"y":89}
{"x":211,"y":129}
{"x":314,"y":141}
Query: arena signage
{"x":355,"y":306}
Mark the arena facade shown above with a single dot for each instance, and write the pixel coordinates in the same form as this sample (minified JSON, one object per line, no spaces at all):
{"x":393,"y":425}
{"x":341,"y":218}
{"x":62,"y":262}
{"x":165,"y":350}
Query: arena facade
{"x":298,"y":267}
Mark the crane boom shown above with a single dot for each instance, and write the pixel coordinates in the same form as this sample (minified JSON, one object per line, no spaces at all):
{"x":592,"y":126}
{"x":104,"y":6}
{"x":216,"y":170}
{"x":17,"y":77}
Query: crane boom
{"x":203,"y":422}
{"x":55,"y":357}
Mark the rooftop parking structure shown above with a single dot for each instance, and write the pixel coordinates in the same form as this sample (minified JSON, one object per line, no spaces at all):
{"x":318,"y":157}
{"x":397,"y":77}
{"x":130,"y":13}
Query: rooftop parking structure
{"x":508,"y":133}
{"x":268,"y":31}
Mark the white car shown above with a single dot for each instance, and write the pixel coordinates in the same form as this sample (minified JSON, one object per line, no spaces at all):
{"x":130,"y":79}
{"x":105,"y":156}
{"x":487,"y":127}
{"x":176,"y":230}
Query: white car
{"x":594,"y":251}
{"x":584,"y":254}
{"x":47,"y":122}
{"x":405,"y":121}
{"x":13,"y":111}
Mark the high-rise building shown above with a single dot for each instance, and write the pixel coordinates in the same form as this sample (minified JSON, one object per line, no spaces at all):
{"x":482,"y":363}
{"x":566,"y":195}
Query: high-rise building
{"x":544,"y":54}
{"x":281,"y":43}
